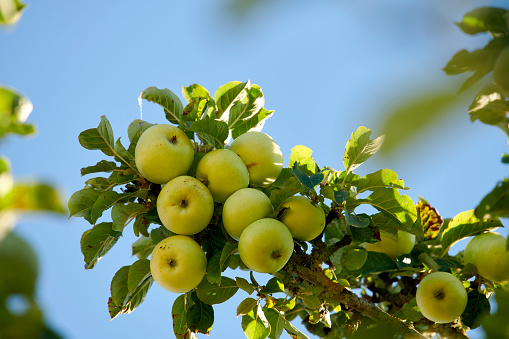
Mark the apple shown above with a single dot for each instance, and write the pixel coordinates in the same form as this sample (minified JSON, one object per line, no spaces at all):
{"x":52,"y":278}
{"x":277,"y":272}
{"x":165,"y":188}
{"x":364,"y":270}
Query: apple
{"x":244,"y":207}
{"x":501,"y":72}
{"x":178,"y":264}
{"x":441,"y":297}
{"x":488,"y":253}
{"x":185,"y":205}
{"x":163,"y":152}
{"x":266,"y":245}
{"x":304,"y":219}
{"x":261,"y":155}
{"x":393,"y":246}
{"x":223,"y":172}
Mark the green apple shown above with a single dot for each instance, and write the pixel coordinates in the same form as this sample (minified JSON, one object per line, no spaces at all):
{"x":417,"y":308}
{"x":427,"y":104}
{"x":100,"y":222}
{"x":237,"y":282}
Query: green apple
{"x":501,"y":72}
{"x":266,"y":245}
{"x":261,"y":155}
{"x":178,"y":264}
{"x":244,"y":207}
{"x":393,"y":246}
{"x":441,"y":297}
{"x":304,"y":219}
{"x":185,"y":205}
{"x":163,"y":152}
{"x":488,"y":253}
{"x":223,"y":172}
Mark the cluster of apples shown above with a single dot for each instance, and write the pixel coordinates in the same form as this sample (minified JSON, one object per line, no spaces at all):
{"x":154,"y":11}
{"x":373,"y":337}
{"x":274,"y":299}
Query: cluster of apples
{"x":164,"y":155}
{"x":441,"y":297}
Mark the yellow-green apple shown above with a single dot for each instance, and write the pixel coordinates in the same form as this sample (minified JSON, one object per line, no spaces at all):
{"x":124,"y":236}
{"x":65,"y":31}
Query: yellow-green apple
{"x":304,"y":219}
{"x":185,"y":205}
{"x":393,"y":246}
{"x":441,"y":297}
{"x":223,"y":172}
{"x":261,"y":155}
{"x":488,"y":253}
{"x":244,"y":207}
{"x":266,"y":245}
{"x":163,"y":152}
{"x":178,"y":264}
{"x":501,"y":72}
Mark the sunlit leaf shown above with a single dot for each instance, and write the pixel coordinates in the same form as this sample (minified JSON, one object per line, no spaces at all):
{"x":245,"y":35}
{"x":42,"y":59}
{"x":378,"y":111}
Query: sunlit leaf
{"x":123,"y":214}
{"x":214,"y":132}
{"x":96,"y":242}
{"x":360,"y":148}
{"x":213,"y":294}
{"x":138,"y":272}
{"x":81,"y":202}
{"x":167,"y":100}
{"x":485,"y":19}
{"x":100,"y":138}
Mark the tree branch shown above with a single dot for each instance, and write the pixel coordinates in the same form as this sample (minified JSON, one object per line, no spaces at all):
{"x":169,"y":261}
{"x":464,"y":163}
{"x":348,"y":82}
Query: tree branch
{"x":338,"y":292}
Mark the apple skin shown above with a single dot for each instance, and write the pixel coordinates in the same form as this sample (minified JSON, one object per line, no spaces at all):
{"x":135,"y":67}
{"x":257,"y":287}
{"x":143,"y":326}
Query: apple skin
{"x":163,"y":152}
{"x":223,"y":172}
{"x":392,"y":246}
{"x":261,"y":155}
{"x":266,"y":245}
{"x":304,"y":220}
{"x":178,"y":264}
{"x":243,"y":208}
{"x":501,"y":72}
{"x":441,"y":297}
{"x":488,"y":253}
{"x":185,"y":205}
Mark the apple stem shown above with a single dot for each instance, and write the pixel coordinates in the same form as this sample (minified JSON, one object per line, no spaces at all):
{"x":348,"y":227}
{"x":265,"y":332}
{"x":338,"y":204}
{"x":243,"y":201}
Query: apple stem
{"x":183,"y":203}
{"x":171,"y":263}
{"x":173,"y":139}
{"x":276,"y":255}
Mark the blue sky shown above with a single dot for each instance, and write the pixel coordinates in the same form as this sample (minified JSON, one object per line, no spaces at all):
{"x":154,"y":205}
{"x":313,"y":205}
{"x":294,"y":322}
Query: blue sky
{"x":325,"y":68}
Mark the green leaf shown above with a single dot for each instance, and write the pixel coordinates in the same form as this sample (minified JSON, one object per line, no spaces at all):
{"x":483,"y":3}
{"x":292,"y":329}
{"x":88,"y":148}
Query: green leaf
{"x":274,"y":285}
{"x":122,"y":155}
{"x":466,"y":224}
{"x":81,"y":202}
{"x":309,"y":181}
{"x":243,"y":110}
{"x":485,"y":19}
{"x":213,"y":294}
{"x":302,"y":155}
{"x":311,"y":301}
{"x":293,"y":331}
{"x":244,"y":285}
{"x":214,"y":132}
{"x":490,"y":108}
{"x":478,"y":307}
{"x":358,"y":220}
{"x":134,"y":299}
{"x":100,"y":138}
{"x":14,"y":110}
{"x":277,"y":196}
{"x":495,"y":203}
{"x":370,"y":234}
{"x":255,"y":121}
{"x":398,"y":210}
{"x":354,"y":258}
{"x":108,"y":199}
{"x":246,"y":306}
{"x":255,"y":324}
{"x":360,"y":148}
{"x":276,"y":321}
{"x":199,"y":316}
{"x":101,"y":166}
{"x":214,"y":269}
{"x":376,"y":262}
{"x":113,"y":308}
{"x":409,"y":311}
{"x":195,"y":91}
{"x":34,"y":197}
{"x":226,"y":253}
{"x":167,"y":100}
{"x":123,"y":214}
{"x":178,"y":314}
{"x":119,"y":289}
{"x":384,"y":178}
{"x":136,"y":129}
{"x":143,"y":247}
{"x":96,"y":242}
{"x":228,"y":94}
{"x":100,"y":184}
{"x":139,"y":271}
